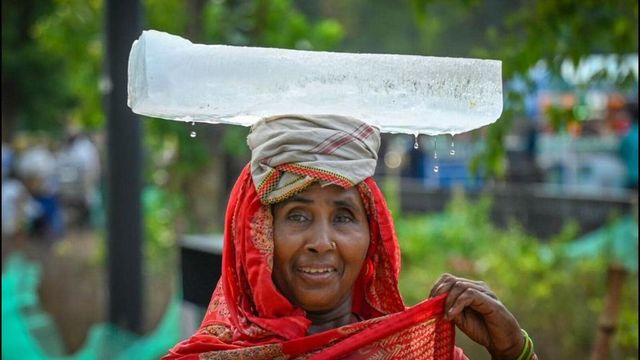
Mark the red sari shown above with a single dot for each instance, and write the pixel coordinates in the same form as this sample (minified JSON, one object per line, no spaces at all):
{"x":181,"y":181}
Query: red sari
{"x":248,"y":318}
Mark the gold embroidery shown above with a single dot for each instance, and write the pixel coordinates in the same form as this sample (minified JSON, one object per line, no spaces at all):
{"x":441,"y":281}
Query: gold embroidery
{"x":222,"y":332}
{"x":272,"y":351}
{"x":262,"y":233}
{"x":416,"y":342}
{"x":367,"y":197}
{"x":255,"y":331}
{"x":359,"y":326}
{"x":218,"y":304}
{"x":288,"y":190}
{"x":317,"y":173}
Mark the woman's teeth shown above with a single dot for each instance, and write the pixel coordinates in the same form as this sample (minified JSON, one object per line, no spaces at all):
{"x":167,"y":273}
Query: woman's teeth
{"x":316,"y":270}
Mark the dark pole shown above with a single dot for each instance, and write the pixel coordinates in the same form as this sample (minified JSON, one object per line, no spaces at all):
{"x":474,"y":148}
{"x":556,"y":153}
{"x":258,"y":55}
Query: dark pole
{"x":124,"y":222}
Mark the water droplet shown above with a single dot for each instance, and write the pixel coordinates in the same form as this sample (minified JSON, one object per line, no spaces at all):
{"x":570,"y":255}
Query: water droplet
{"x":415,"y":144}
{"x":452,"y":152}
{"x":435,"y":149}
{"x":193,"y":134}
{"x":436,"y":168}
{"x":193,"y":123}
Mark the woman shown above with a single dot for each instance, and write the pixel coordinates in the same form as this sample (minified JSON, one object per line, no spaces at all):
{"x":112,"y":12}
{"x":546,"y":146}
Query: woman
{"x":311,"y":262}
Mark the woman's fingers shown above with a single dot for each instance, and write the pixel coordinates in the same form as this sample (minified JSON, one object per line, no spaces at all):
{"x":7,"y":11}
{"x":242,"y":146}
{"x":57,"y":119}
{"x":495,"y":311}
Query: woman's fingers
{"x":442,"y":285}
{"x":475,"y":309}
{"x":449,"y":283}
{"x":468,"y":297}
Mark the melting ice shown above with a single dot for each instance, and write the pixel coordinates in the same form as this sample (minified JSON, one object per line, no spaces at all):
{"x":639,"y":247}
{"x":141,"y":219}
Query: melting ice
{"x":172,"y":78}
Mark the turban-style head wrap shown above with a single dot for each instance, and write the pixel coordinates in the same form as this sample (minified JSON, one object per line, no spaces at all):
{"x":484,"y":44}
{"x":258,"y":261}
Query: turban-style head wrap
{"x":288,"y":153}
{"x":248,"y":318}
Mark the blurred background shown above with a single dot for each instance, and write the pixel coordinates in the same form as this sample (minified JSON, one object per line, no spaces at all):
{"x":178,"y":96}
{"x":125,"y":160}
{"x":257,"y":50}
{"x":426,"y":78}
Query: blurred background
{"x":542,"y":205}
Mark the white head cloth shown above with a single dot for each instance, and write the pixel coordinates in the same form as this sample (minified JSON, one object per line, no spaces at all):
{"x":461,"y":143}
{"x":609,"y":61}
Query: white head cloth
{"x":290,"y":152}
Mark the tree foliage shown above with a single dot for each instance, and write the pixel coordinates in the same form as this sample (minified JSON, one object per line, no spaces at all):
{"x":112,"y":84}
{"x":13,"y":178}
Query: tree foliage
{"x":53,"y":53}
{"x":53,"y":60}
{"x":546,"y":30}
{"x":519,"y":33}
{"x":53,"y":50}
{"x":530,"y":276}
{"x":73,"y":32}
{"x":34,"y":90}
{"x":271,"y":23}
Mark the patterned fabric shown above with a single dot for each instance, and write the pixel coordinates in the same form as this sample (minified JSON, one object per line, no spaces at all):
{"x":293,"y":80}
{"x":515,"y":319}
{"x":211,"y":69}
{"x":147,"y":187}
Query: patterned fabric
{"x":248,"y":318}
{"x":290,"y":152}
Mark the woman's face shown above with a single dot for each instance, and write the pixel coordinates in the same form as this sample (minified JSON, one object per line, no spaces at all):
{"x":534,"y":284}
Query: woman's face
{"x":321,"y":239}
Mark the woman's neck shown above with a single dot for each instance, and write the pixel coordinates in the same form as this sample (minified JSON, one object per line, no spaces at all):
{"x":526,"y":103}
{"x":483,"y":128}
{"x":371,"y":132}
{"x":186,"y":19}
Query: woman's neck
{"x":325,"y":320}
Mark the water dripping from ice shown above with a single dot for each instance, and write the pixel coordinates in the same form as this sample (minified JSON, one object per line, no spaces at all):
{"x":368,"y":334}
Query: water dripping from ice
{"x":415,"y":143}
{"x":464,"y":94}
{"x":436,"y":168}
{"x":193,"y":133}
{"x":452,"y":151}
{"x":435,"y":148}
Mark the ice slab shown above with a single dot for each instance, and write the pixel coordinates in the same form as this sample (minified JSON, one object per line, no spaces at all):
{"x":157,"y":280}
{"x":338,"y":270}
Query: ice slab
{"x":172,"y":78}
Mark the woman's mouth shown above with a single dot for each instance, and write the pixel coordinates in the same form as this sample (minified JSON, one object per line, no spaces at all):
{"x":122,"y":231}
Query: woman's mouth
{"x":313,"y":270}
{"x":316,"y":273}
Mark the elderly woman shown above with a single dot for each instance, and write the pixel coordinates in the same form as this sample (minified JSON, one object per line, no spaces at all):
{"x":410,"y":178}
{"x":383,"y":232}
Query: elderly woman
{"x":311,"y":262}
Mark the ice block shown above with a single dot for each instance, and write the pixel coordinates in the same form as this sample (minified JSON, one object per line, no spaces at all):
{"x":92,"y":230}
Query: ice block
{"x":172,"y":78}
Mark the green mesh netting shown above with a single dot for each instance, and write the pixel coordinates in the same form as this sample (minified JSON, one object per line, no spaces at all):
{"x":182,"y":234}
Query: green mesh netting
{"x":618,"y":241}
{"x":29,"y":333}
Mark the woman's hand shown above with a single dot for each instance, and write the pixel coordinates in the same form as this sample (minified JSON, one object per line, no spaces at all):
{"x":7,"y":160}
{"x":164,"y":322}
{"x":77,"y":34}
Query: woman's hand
{"x":476,"y":310}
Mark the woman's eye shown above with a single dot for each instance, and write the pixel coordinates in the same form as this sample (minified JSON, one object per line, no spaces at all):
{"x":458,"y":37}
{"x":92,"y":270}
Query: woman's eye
{"x":297,"y":218}
{"x":343,"y":219}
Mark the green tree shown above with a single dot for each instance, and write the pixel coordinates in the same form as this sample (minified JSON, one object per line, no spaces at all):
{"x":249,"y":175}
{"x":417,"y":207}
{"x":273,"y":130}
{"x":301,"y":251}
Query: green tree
{"x":34,"y":90}
{"x":546,"y":30}
{"x":520,"y":33}
{"x":73,"y":32}
{"x":52,"y":66}
{"x":201,"y":162}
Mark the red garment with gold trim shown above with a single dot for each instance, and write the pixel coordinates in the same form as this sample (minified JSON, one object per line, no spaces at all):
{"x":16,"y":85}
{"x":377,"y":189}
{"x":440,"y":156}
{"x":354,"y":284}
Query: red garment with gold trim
{"x":248,"y":318}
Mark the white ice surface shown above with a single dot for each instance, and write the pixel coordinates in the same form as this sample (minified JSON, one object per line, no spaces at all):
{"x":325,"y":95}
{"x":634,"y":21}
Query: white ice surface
{"x":172,"y":78}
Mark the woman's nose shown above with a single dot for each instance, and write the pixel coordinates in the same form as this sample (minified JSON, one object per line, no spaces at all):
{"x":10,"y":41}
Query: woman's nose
{"x":320,"y":239}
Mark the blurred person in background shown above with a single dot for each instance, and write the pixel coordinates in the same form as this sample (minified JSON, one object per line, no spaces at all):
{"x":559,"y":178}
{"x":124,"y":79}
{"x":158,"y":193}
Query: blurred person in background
{"x":36,"y":167}
{"x":19,"y":209}
{"x":629,"y":147}
{"x":78,"y":170}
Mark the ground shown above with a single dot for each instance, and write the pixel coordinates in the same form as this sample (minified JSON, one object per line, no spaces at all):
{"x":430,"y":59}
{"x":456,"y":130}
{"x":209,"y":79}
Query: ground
{"x":73,"y":288}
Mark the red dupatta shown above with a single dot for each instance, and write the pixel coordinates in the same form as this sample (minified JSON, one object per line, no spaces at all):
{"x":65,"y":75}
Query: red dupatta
{"x":248,"y":318}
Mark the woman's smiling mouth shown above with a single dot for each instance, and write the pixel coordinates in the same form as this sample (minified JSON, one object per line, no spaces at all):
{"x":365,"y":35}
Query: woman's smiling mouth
{"x":317,"y":273}
{"x":315,"y":270}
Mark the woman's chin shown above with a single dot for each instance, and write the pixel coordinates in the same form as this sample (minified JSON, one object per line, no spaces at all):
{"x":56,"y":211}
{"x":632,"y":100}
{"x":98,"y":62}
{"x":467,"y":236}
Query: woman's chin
{"x":318,"y":304}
